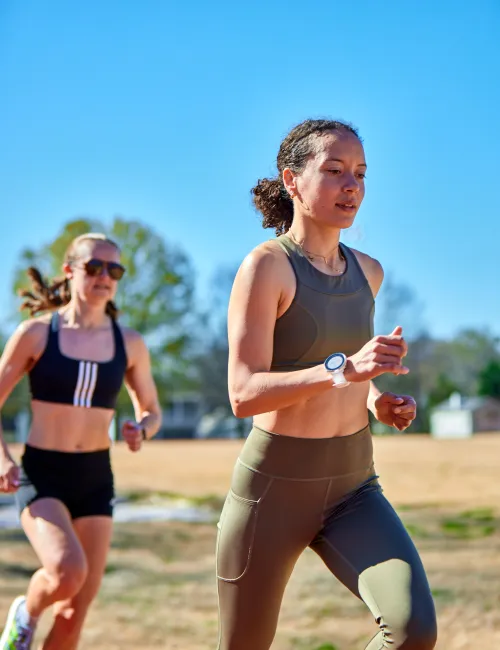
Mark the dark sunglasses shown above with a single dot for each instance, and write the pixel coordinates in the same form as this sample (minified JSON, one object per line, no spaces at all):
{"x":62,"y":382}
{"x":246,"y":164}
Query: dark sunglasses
{"x":94,"y":267}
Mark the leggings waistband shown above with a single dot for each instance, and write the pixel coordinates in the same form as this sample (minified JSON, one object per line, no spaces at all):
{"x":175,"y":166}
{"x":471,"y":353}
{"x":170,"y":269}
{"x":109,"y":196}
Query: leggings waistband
{"x":307,"y":458}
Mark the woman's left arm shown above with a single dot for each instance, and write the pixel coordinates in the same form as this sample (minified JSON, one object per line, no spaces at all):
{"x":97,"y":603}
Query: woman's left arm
{"x":142,"y":390}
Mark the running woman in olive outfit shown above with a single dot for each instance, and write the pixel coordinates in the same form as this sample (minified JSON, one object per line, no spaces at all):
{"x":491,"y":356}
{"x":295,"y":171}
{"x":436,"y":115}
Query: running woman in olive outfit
{"x":301,"y":359}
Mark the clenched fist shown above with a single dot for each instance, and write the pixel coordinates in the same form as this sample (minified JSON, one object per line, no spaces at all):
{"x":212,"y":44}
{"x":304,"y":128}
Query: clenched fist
{"x":132,"y":433}
{"x":397,"y":411}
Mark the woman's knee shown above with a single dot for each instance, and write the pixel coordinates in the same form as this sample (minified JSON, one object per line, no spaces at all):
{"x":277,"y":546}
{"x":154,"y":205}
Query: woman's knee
{"x":422,"y":633}
{"x":67,"y":576}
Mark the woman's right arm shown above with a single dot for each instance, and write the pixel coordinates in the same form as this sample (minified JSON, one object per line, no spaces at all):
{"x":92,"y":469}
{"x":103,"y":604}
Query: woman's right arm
{"x":16,"y":359}
{"x":253,"y":310}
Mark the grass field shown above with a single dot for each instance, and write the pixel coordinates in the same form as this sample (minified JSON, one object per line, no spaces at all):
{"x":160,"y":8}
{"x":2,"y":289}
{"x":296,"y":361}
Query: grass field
{"x":159,"y":589}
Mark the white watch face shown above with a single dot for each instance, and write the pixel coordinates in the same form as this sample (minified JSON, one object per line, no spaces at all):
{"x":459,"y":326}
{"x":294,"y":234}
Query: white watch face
{"x":335,"y":362}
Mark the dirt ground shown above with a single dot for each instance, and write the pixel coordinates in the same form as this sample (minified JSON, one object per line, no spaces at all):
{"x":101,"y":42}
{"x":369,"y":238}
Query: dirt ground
{"x":159,"y":589}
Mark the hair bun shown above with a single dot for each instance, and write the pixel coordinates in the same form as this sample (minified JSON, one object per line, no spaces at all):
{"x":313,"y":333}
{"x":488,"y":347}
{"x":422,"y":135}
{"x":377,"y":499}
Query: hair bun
{"x":272,"y":200}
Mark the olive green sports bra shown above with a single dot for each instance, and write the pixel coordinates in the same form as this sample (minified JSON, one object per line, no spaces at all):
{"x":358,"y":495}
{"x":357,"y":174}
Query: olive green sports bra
{"x":328,"y":313}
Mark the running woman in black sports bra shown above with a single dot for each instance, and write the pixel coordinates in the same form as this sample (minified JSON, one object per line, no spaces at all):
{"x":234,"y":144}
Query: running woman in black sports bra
{"x":77,"y":359}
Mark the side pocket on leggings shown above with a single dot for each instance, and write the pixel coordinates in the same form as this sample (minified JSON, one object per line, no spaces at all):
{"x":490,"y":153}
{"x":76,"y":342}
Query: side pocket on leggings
{"x":235,"y":537}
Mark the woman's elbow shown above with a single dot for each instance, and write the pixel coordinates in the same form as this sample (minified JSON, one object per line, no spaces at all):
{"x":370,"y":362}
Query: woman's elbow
{"x":244,"y":394}
{"x":239,"y":407}
{"x":240,"y":404}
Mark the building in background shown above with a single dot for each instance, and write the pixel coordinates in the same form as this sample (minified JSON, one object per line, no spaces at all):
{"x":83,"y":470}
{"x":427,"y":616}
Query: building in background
{"x":181,"y":416}
{"x":461,"y":417}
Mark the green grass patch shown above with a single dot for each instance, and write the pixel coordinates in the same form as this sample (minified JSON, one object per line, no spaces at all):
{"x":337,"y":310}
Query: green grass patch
{"x":112,"y":568}
{"x":208,"y":501}
{"x":164,"y":543}
{"x":471,"y":524}
{"x":136,"y":496}
{"x":15,"y":536}
{"x":16,"y":570}
{"x":311,"y":644}
{"x":480,"y":515}
{"x":416,"y":507}
{"x":443,"y":595}
{"x":416,"y":531}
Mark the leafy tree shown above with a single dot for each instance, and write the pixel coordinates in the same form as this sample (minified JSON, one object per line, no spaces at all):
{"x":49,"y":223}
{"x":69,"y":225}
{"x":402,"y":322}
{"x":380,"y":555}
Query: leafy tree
{"x":489,"y":379}
{"x":212,"y":356}
{"x":18,"y":399}
{"x":442,"y":390}
{"x":462,"y":358}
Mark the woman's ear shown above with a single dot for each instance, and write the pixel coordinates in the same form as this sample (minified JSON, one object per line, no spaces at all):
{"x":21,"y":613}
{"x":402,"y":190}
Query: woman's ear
{"x":289,"y":181}
{"x":67,"y":270}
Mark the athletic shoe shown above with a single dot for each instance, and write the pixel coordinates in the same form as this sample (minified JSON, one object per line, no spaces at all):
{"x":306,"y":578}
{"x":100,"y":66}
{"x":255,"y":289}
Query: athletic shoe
{"x":15,"y":635}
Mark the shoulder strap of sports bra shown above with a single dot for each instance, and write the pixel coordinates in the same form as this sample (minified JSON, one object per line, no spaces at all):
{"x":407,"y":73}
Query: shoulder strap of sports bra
{"x":120,"y":350}
{"x":52,"y":344}
{"x":353,"y":262}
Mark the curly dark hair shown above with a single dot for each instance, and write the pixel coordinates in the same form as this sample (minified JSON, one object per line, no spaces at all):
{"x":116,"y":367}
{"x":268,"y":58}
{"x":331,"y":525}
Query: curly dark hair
{"x":269,"y":195}
{"x":45,"y":295}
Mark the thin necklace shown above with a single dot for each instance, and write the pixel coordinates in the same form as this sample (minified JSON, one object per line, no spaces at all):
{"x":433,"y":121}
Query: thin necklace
{"x":310,"y":255}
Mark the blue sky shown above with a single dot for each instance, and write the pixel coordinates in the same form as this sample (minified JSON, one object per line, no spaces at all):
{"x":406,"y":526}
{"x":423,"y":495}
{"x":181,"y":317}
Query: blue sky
{"x":169,"y":112}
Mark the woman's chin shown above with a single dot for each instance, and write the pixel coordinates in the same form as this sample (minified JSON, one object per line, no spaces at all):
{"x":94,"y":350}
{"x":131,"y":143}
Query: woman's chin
{"x":98,"y":298}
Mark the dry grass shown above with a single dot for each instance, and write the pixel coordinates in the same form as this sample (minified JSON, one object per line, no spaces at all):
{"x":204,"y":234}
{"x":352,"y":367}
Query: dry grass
{"x":413,"y":469}
{"x":159,"y":591}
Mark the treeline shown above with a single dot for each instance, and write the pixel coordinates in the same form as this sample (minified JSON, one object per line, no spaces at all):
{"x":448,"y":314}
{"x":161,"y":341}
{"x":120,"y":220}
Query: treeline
{"x":188,"y":344}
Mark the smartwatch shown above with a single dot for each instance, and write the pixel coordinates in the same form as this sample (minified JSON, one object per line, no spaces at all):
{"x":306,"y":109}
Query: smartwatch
{"x":335,"y":365}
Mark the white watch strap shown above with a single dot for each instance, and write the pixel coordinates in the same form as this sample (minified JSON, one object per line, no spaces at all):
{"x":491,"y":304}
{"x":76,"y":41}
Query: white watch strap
{"x":339,"y":380}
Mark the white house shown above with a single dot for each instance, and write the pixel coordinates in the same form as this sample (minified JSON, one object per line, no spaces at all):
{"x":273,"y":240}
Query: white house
{"x":460,"y":417}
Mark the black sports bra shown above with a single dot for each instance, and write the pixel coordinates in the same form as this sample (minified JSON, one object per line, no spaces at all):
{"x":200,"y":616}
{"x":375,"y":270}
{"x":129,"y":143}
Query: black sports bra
{"x":89,"y":384}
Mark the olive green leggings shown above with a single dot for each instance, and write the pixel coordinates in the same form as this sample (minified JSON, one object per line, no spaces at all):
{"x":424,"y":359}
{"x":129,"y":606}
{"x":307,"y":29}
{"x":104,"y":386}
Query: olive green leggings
{"x":288,"y":494}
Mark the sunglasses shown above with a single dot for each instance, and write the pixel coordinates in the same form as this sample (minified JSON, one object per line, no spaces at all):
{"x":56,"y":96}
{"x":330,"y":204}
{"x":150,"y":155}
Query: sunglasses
{"x":94,"y":267}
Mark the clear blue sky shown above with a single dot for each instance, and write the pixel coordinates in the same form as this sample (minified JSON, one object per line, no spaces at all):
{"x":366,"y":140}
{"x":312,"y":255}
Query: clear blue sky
{"x":169,"y":112}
